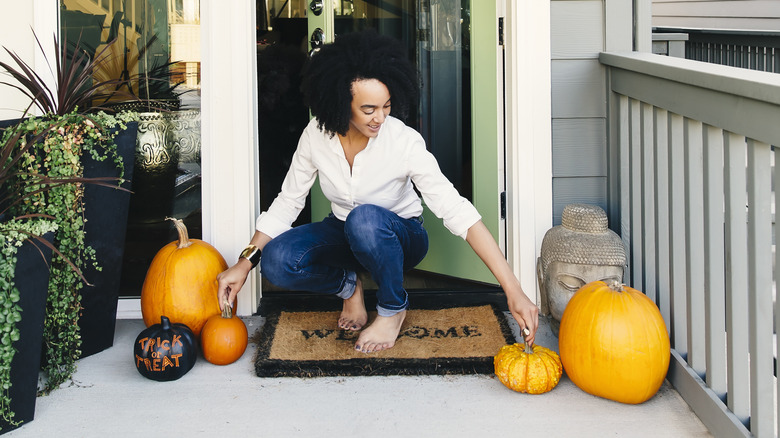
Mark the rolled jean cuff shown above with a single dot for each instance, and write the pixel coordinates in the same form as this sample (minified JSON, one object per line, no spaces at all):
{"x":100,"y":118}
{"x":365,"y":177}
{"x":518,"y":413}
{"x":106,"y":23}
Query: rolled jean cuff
{"x":348,"y":288}
{"x":382,"y":311}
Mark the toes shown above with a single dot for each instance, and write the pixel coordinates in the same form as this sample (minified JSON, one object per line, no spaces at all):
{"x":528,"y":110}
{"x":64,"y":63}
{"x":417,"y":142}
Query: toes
{"x":371,"y":347}
{"x":365,"y":348}
{"x":348,"y":324}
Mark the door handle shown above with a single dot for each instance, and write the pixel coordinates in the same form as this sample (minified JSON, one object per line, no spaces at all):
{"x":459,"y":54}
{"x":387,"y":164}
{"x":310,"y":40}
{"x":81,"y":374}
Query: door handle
{"x":316,"y":6}
{"x":317,"y":41}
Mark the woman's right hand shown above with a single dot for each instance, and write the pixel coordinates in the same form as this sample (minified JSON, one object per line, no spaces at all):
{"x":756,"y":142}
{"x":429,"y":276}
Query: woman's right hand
{"x":230,"y":282}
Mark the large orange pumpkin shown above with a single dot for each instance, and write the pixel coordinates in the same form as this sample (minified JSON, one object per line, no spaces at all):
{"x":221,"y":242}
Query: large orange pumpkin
{"x":224,"y":338}
{"x":614,"y":343}
{"x":181,"y":282}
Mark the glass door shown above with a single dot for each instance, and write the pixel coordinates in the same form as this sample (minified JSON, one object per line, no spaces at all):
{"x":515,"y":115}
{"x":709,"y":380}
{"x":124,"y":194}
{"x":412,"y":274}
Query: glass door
{"x":454,"y":45}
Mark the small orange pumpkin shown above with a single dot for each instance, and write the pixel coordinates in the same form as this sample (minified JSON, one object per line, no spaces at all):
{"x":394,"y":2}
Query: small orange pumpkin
{"x":614,"y":343}
{"x":533,"y":370}
{"x":181,"y":282}
{"x":224,"y":338}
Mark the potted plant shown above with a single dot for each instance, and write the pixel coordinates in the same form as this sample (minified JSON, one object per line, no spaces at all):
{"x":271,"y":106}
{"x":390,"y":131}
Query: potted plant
{"x":26,"y":244}
{"x":78,"y":134}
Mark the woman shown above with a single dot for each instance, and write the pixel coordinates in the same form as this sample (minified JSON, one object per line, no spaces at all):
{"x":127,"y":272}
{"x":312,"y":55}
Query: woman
{"x":369,"y":164}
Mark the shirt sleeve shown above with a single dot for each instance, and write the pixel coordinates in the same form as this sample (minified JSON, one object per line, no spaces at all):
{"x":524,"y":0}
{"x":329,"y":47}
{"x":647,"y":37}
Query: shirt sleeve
{"x":292,"y":198}
{"x":439,"y":194}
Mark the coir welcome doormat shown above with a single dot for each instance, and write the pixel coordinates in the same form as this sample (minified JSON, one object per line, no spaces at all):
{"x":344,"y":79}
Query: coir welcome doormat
{"x":458,"y":340}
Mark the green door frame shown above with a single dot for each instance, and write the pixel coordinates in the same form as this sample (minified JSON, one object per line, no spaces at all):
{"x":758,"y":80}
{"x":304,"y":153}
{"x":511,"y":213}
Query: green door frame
{"x":486,"y":141}
{"x":320,"y":206}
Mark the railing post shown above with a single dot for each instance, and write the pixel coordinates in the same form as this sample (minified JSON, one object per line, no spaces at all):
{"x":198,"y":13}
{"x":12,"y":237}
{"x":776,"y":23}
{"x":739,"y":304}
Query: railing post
{"x":736,"y":278}
{"x":663,"y":239}
{"x":624,"y":140}
{"x":677,"y":251}
{"x":648,"y":203}
{"x":759,"y":291}
{"x":714,"y":261}
{"x":694,"y":230}
{"x":635,"y":163}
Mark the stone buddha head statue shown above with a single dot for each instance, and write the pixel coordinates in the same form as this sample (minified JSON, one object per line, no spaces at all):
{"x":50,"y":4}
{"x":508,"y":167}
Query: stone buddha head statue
{"x":580,"y":250}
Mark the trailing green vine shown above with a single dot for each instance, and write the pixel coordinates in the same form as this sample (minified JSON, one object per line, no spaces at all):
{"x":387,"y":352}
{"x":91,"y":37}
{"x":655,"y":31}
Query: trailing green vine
{"x":12,"y":236}
{"x":58,"y":155}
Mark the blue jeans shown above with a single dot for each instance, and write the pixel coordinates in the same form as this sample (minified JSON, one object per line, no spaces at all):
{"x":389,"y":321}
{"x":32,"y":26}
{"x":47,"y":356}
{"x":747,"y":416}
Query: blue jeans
{"x":324,"y":257}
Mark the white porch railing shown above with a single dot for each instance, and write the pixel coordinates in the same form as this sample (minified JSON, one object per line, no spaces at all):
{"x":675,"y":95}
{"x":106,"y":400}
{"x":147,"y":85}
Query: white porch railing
{"x":693,"y":143}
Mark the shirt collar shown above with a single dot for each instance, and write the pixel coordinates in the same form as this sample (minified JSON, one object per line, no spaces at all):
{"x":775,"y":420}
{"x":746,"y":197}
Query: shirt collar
{"x":335,"y":143}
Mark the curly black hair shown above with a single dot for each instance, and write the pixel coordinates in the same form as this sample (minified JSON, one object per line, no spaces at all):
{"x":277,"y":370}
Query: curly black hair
{"x":329,"y":74}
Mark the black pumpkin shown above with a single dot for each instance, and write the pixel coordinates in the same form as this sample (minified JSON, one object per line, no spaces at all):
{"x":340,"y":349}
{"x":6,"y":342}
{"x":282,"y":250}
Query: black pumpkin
{"x":165,"y":351}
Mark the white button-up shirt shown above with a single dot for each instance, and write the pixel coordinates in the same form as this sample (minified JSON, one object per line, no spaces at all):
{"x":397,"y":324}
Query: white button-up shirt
{"x":382,"y":174}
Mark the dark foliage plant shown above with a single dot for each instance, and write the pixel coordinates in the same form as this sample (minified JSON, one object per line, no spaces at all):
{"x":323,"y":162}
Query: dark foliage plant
{"x":19,"y":185}
{"x":75,"y":88}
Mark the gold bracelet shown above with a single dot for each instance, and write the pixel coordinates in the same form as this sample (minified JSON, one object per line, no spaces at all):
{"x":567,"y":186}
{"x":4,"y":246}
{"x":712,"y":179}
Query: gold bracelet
{"x":251,"y":253}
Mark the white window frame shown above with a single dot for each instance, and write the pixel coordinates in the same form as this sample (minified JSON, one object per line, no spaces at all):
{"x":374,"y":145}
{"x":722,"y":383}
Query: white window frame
{"x":229,"y":134}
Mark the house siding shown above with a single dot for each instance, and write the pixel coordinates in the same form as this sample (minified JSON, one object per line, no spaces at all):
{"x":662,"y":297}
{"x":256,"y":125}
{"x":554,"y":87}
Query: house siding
{"x":718,"y":14}
{"x":16,"y":36}
{"x":579,"y":106}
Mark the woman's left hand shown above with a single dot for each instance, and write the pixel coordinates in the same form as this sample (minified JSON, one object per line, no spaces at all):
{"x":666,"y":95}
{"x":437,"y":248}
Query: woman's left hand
{"x":525,"y":313}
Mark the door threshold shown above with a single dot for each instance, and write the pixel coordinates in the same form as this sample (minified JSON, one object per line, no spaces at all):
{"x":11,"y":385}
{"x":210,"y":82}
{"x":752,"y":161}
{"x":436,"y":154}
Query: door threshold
{"x":296,"y":301}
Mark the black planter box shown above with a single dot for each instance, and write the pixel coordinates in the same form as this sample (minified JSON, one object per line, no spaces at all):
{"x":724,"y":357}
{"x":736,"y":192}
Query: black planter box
{"x":32,"y":279}
{"x":106,"y":211}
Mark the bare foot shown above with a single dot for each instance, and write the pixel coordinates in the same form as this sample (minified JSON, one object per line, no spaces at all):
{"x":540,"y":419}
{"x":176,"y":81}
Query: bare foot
{"x":353,"y":314}
{"x":381,"y":334}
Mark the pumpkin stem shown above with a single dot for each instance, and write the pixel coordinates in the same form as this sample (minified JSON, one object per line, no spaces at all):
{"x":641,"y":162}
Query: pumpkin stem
{"x":615,"y":286}
{"x":529,"y":347}
{"x":184,"y":238}
{"x":227,"y":311}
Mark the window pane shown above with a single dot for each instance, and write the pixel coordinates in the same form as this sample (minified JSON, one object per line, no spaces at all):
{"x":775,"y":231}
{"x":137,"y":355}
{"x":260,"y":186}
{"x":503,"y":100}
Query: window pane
{"x":158,"y":48}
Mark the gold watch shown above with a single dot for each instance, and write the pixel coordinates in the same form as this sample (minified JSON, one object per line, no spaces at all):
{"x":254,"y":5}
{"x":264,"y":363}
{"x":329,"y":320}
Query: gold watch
{"x":251,"y":253}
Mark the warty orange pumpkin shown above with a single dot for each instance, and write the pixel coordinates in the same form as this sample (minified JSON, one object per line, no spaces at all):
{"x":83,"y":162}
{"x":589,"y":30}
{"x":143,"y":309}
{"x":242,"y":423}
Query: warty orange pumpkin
{"x":181,"y":282}
{"x":532,"y":370}
{"x":614,"y":343}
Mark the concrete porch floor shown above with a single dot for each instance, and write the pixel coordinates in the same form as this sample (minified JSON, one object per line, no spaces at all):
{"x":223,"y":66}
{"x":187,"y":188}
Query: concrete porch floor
{"x":108,"y":397}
